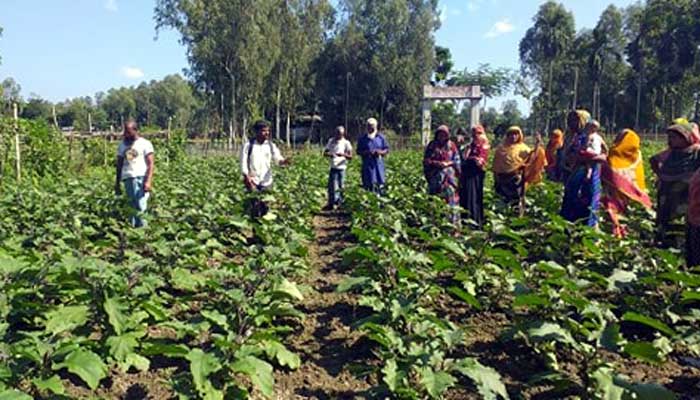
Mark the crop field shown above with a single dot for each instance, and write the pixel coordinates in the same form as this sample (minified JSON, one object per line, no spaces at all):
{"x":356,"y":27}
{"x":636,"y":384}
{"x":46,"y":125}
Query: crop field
{"x":378,"y":300}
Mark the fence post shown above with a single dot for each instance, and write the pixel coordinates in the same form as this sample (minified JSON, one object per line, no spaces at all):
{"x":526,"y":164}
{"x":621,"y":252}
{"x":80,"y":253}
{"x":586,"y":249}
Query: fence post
{"x":18,"y":160}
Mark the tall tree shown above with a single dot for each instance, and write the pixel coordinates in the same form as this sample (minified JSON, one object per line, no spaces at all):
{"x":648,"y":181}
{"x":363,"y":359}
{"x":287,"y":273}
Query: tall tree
{"x":544,"y":51}
{"x":444,"y":64}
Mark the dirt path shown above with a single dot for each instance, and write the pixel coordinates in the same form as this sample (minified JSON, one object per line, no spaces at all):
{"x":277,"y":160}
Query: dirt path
{"x":326,"y":343}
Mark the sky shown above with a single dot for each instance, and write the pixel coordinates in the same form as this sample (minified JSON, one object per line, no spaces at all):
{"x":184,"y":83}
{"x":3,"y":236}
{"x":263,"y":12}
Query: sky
{"x":59,"y":49}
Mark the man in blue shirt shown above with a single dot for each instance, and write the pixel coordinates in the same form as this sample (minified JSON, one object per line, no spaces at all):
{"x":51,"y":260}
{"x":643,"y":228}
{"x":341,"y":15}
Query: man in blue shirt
{"x":372,"y":147}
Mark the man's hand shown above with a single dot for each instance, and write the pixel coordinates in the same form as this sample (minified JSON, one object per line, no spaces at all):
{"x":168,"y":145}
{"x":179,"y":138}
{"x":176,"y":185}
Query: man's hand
{"x":147,"y":186}
{"x":248,"y":182}
{"x":286,"y":162}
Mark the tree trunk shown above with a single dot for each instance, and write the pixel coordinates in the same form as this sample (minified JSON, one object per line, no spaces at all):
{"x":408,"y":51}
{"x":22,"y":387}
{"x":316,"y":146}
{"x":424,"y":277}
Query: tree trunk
{"x":549,"y":100}
{"x":277,"y":113}
{"x":289,"y":130}
{"x":639,"y":99}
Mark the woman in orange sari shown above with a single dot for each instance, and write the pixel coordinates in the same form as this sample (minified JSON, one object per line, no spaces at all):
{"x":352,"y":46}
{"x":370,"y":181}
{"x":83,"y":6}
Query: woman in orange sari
{"x":556,"y":142}
{"x":515,"y":166}
{"x":623,"y":179}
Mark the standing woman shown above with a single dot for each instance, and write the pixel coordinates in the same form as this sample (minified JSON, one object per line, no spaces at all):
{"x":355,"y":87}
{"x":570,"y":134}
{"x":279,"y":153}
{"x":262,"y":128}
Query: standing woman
{"x":475,"y":157}
{"x":584,"y":187}
{"x":623,"y":179}
{"x":566,"y":158}
{"x":556,"y":142}
{"x":515,"y":166}
{"x":441,"y":166}
{"x":675,"y":167}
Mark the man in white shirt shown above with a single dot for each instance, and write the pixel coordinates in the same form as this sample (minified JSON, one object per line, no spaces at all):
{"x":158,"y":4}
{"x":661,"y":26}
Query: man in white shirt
{"x":135,"y":166}
{"x":339,"y":150}
{"x":257,"y":159}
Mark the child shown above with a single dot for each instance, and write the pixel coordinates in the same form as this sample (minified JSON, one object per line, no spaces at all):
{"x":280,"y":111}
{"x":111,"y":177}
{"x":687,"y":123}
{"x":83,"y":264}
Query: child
{"x":339,"y":150}
{"x":592,"y":146}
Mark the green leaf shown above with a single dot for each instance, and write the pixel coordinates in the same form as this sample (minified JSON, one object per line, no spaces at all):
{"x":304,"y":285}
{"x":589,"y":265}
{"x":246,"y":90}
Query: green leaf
{"x":259,"y":371}
{"x":435,"y":383}
{"x":166,"y":349}
{"x":63,"y":319}
{"x":487,"y":380}
{"x":216,"y":317}
{"x":690,"y":296}
{"x":284,"y":357}
{"x":648,"y":321}
{"x":465,"y":296}
{"x":139,"y":362}
{"x":12,"y":394}
{"x":646,"y":391}
{"x":350,"y":283}
{"x":453,"y":247}
{"x":644,"y":351}
{"x":392,"y":376}
{"x":116,"y":318}
{"x":604,"y":385}
{"x":201,"y":366}
{"x":87,"y":365}
{"x":53,"y":384}
{"x":548,"y":331}
{"x":121,"y":346}
{"x":530,"y":300}
{"x":288,"y":288}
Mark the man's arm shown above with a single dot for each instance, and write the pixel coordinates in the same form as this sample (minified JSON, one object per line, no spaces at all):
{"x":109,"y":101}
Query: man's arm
{"x":150,"y":168}
{"x":244,"y":166}
{"x":117,"y":182}
{"x":277,"y":156}
{"x":384,"y":150}
{"x":348,"y":151}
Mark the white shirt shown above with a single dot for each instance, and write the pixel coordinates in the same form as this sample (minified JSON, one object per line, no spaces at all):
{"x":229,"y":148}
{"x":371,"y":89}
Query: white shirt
{"x":259,"y":169}
{"x":134,"y":154}
{"x":595,"y":144}
{"x":341,"y":146}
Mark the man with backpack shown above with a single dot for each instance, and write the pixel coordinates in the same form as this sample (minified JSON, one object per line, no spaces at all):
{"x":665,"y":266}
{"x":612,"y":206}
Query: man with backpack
{"x":257,"y":158}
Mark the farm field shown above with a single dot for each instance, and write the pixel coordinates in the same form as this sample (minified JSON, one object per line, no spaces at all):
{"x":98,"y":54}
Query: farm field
{"x":378,"y":300}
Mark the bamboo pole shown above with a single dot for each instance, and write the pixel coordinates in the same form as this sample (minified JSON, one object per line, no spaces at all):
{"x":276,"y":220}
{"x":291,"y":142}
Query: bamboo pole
{"x":18,"y":153}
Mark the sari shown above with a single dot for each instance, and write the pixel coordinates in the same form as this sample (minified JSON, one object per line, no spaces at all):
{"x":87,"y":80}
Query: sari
{"x":584,"y":187}
{"x":442,"y":181}
{"x":556,"y":142}
{"x":471,"y":186}
{"x":567,"y":155}
{"x":623,"y":179}
{"x":516,"y":166}
{"x":676,"y":169}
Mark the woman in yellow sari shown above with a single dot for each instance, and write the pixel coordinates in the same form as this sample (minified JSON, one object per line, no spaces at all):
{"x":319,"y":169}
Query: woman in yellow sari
{"x":515,"y":166}
{"x":623,"y":179}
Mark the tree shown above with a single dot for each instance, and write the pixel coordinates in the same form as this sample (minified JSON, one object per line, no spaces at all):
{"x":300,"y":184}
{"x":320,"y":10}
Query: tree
{"x":385,"y":51}
{"x":494,"y":82}
{"x":232,"y":48}
{"x":544,"y":52}
{"x":444,"y":64}
{"x":11,"y":93}
{"x":37,"y":108}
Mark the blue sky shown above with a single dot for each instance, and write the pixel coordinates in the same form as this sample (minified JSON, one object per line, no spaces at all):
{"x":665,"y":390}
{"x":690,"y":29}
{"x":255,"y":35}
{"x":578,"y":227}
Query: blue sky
{"x":67,"y":48}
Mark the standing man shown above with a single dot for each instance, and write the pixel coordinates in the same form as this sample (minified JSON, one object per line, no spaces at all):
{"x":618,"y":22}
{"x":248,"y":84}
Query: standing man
{"x":339,"y":150}
{"x":372,"y":147}
{"x":257,"y":158}
{"x":135,"y":166}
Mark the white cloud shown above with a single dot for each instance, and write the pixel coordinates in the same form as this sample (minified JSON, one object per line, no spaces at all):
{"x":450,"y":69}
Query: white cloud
{"x":500,"y":28}
{"x":111,"y":5}
{"x":472,"y":6}
{"x":132,"y":72}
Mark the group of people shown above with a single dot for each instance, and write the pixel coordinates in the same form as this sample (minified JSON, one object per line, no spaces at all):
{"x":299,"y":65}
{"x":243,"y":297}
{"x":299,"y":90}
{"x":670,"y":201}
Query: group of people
{"x":596,"y":177}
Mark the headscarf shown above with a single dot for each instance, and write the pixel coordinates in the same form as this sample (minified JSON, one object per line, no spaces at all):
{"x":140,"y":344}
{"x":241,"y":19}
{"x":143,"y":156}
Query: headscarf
{"x":556,"y":141}
{"x":680,"y":164}
{"x":625,"y":158}
{"x":577,"y":120}
{"x":479,"y":148}
{"x":512,"y":156}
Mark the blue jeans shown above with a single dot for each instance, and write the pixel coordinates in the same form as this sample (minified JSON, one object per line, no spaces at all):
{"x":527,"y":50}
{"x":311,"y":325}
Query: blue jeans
{"x":336,"y":183}
{"x":138,"y":199}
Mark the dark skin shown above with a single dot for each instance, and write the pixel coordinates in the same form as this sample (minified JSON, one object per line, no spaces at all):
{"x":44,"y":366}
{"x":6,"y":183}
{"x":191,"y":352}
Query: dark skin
{"x":131,"y":134}
{"x":339,"y":134}
{"x":261,"y":136}
{"x":376,"y":153}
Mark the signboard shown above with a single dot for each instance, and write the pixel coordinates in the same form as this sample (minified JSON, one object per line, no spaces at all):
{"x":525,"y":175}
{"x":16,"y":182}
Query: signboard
{"x":451,"y":92}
